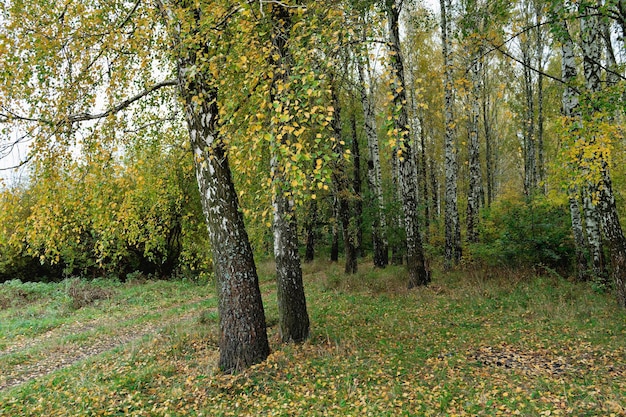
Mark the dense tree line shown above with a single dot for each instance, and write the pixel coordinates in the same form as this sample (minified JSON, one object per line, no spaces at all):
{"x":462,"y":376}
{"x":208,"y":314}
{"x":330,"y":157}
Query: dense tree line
{"x":487,"y":134}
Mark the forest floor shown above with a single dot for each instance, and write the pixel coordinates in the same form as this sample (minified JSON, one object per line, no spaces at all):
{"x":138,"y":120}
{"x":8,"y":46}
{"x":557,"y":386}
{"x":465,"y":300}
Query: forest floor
{"x":477,"y":342}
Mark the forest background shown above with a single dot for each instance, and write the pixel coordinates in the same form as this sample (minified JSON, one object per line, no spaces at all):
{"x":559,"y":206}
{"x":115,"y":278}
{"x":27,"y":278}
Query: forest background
{"x":489,"y":134}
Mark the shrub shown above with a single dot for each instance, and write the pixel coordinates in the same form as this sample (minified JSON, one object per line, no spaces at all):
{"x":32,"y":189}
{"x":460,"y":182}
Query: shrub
{"x":515,"y":232}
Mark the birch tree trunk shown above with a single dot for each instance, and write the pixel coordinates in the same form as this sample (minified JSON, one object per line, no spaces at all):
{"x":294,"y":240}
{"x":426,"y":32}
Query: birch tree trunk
{"x":475,"y":174}
{"x":591,"y":46}
{"x":342,"y":190}
{"x":530,"y":161}
{"x":540,"y":172}
{"x":418,"y":274}
{"x":452,"y":223}
{"x":310,"y":227}
{"x":579,"y":237}
{"x":614,"y":235}
{"x":293,"y":318}
{"x":243,"y":337}
{"x":374,"y":175}
{"x":571,"y":110}
{"x":591,"y":32}
{"x":423,"y":174}
{"x":334,"y":232}
{"x":489,"y":160}
{"x":356,"y":186}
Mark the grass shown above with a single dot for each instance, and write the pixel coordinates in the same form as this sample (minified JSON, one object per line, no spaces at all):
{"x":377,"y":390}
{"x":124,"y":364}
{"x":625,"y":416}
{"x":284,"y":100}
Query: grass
{"x":477,"y":342}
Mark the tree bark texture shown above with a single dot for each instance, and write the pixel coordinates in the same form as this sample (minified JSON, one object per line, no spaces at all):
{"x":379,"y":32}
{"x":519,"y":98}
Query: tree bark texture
{"x":530,"y":160}
{"x":475,"y":173}
{"x":243,"y":336}
{"x":416,"y":267}
{"x":571,"y":110}
{"x":591,"y":46}
{"x":356,"y":186}
{"x":374,"y":175}
{"x":293,"y":318}
{"x":579,"y":237}
{"x":334,"y":233}
{"x":614,"y":235}
{"x":591,"y":32}
{"x":423,"y":174}
{"x":541,"y":35}
{"x":451,"y":217}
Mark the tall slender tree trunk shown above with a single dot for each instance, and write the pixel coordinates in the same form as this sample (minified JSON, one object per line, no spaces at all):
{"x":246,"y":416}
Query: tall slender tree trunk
{"x":579,"y":237}
{"x":293,"y":318}
{"x":614,"y":235}
{"x":571,"y":110}
{"x":242,"y":336}
{"x":435,"y":198}
{"x":356,"y":185}
{"x":530,"y":160}
{"x":541,"y":169}
{"x":424,"y":178}
{"x":418,"y":274}
{"x":334,"y":230}
{"x":475,"y":173}
{"x":489,"y":160}
{"x":591,"y":32}
{"x":591,"y":46}
{"x":593,"y":231}
{"x":398,"y":243}
{"x":342,"y":190}
{"x":374,"y":175}
{"x":419,"y":155}
{"x":452,"y":223}
{"x":310,"y":226}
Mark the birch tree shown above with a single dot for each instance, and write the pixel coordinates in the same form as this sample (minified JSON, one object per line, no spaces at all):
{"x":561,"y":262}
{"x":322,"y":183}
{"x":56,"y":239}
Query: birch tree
{"x":571,"y":112}
{"x":374,"y":173}
{"x":602,"y":189}
{"x":67,"y":61}
{"x":451,"y":217}
{"x":293,"y":317}
{"x":418,"y":274}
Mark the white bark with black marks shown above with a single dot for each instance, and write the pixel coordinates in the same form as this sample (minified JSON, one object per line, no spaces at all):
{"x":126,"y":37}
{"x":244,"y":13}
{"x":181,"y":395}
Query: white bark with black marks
{"x":452,"y":251}
{"x":407,"y":181}
{"x":293,"y":318}
{"x":243,"y":335}
{"x":379,"y":226}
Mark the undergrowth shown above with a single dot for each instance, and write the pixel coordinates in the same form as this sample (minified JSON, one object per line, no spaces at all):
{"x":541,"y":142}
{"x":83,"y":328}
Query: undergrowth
{"x":478,"y":342}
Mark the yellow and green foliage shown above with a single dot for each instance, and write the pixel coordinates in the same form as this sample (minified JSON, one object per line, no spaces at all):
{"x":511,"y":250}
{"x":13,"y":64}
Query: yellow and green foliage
{"x":106,"y":214}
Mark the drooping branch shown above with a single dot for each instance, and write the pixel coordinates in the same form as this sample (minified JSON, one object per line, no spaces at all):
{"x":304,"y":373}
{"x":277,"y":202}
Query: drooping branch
{"x":82,"y":117}
{"x":9,"y":115}
{"x":499,"y":47}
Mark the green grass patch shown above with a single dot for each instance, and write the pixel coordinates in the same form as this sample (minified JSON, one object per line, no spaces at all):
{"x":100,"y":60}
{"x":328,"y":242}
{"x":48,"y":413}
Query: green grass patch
{"x":476,"y":342}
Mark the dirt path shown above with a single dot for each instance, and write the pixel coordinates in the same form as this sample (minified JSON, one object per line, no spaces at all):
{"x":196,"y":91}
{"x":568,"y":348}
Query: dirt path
{"x":52,"y":351}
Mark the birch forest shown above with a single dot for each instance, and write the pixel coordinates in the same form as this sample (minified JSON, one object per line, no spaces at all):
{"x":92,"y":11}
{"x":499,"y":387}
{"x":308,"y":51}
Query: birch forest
{"x":190,"y":139}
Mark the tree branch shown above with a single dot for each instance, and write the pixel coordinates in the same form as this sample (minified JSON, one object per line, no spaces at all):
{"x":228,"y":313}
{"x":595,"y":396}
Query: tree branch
{"x":519,"y":61}
{"x":8,"y":115}
{"x":81,"y":117}
{"x":280,"y":3}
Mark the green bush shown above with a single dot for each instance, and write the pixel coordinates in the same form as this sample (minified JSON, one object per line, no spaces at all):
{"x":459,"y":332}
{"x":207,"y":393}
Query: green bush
{"x":516,"y":232}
